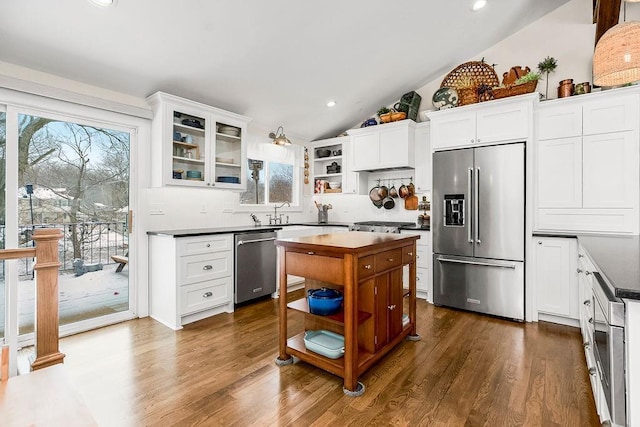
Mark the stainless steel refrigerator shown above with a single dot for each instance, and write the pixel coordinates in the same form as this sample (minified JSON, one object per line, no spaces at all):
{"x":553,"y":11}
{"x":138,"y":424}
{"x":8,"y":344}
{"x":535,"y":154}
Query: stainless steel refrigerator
{"x":478,"y":222}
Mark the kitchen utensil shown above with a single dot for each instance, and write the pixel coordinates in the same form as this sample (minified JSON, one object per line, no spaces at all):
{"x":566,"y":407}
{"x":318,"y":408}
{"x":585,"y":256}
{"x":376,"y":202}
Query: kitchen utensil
{"x":403,"y":191}
{"x":383,"y":191}
{"x":325,"y":343}
{"x":393,"y":192}
{"x":319,"y":207}
{"x":374,"y":195}
{"x":324,"y":301}
{"x":411,"y":201}
{"x":323,"y":152}
{"x":388,"y":202}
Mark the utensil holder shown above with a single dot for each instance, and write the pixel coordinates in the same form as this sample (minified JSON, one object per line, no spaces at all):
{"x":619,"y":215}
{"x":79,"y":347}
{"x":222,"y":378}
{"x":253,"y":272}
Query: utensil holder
{"x":323,"y":217}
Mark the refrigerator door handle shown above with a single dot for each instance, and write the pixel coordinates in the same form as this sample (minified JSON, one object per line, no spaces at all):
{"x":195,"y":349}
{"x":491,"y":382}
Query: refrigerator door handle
{"x":469,"y":226}
{"x":486,"y":264}
{"x":476,"y":207}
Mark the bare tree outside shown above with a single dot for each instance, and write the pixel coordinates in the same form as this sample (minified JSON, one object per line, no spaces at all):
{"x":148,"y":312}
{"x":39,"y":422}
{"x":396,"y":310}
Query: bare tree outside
{"x":279,"y":184}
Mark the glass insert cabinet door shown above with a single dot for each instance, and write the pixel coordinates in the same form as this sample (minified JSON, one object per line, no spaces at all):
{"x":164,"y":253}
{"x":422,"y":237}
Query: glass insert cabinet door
{"x":203,"y":146}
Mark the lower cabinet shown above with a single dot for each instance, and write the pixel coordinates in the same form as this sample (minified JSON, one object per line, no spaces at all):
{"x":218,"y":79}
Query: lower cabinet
{"x":190,"y":278}
{"x":556,"y":276}
{"x":424,"y":272}
{"x":389,"y":297}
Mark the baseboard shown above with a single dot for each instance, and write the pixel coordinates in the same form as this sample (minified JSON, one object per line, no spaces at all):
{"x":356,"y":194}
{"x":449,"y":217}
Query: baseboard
{"x":544,"y":317}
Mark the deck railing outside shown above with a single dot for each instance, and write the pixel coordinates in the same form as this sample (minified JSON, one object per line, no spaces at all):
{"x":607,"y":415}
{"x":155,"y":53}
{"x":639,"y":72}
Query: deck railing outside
{"x":100,"y":241}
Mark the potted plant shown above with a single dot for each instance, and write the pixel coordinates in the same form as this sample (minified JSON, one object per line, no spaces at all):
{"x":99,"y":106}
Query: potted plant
{"x":385,"y":114}
{"x":548,"y":65}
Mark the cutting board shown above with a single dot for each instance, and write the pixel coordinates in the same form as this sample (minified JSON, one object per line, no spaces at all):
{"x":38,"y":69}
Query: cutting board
{"x":411,"y":203}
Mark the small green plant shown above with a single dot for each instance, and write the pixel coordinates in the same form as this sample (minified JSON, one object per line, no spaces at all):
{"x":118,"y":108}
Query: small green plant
{"x":547,"y":65}
{"x":529,"y":77}
{"x":383,"y":110}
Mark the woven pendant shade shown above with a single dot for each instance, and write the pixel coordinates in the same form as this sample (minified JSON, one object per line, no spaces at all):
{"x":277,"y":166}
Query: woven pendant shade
{"x":616,"y":60}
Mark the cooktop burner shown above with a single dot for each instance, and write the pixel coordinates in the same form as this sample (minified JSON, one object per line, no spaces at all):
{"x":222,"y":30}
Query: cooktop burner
{"x":385,"y":223}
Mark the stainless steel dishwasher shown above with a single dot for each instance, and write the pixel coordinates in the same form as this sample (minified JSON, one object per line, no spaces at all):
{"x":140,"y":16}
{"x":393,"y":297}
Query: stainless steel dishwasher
{"x":255,"y":265}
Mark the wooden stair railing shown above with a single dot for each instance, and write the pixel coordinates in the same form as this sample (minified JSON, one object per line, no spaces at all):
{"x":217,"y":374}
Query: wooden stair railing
{"x":46,"y":279}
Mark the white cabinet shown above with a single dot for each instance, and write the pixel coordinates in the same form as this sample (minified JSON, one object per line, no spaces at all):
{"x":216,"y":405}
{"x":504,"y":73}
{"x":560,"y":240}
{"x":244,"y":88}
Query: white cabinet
{"x":385,"y":146}
{"x":505,"y":120}
{"x":324,"y":166}
{"x":587,"y":160}
{"x":556,"y":276}
{"x":423,"y":157}
{"x":197,"y":145}
{"x":424,"y":282}
{"x":190,"y":278}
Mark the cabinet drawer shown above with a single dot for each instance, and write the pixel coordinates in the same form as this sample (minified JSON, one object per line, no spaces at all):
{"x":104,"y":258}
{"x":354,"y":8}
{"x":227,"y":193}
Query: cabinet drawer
{"x":422,"y":257}
{"x":408,"y":254}
{"x":365,"y":267}
{"x":205,"y":295}
{"x":388,"y":259}
{"x":423,"y":278}
{"x":198,"y":268}
{"x":312,"y":266}
{"x":205,"y":244}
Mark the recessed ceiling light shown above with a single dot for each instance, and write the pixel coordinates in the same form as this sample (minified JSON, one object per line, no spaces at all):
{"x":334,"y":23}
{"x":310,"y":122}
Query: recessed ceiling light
{"x":479,"y":4}
{"x":331,"y":104}
{"x":103,"y":3}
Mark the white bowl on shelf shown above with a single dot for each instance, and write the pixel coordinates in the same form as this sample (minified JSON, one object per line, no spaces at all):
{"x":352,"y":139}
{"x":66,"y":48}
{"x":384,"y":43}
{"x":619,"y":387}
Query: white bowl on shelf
{"x":333,"y":185}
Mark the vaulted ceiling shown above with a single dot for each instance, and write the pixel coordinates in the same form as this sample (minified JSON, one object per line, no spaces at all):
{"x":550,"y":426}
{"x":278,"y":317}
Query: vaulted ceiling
{"x":277,"y":61}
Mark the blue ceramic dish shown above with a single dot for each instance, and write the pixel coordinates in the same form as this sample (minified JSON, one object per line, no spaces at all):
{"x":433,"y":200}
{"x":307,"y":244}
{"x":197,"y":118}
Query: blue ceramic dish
{"x":228,"y":179}
{"x":324,"y":301}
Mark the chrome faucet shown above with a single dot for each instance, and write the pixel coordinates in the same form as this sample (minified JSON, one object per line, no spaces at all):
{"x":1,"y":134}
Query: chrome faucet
{"x":255,"y":219}
{"x":277,"y":219}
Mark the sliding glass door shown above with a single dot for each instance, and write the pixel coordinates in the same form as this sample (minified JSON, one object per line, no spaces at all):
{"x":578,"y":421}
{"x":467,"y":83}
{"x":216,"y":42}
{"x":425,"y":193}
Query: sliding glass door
{"x":70,"y":172}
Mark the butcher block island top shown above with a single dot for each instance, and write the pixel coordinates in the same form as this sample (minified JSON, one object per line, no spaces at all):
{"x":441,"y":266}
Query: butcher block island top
{"x":378,"y":312}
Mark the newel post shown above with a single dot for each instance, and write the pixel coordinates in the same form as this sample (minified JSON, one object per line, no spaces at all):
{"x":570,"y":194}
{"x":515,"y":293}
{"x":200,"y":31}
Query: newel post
{"x":47,"y":317}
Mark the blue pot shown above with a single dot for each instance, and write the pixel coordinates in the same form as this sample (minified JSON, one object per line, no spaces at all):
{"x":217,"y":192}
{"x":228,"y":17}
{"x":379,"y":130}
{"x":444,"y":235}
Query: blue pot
{"x":324,"y":301}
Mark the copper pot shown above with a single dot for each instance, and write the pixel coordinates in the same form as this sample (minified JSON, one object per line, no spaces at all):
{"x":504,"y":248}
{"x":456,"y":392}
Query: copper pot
{"x":565,"y":88}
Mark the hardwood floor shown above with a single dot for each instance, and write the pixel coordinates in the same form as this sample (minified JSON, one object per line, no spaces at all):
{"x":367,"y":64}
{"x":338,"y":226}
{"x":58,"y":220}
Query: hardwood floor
{"x":467,"y":370}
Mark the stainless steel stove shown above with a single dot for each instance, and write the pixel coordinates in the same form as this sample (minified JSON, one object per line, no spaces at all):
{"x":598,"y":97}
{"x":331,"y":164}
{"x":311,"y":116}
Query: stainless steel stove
{"x":379,"y":226}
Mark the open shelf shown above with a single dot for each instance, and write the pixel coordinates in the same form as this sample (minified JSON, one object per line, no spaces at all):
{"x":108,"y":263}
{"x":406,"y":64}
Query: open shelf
{"x":303,"y":306}
{"x":328,"y":175}
{"x":230,"y":138}
{"x":191,"y":128}
{"x":187,"y":160}
{"x":230,"y":165}
{"x":186,"y":144}
{"x":324,"y":159}
{"x":405,"y":292}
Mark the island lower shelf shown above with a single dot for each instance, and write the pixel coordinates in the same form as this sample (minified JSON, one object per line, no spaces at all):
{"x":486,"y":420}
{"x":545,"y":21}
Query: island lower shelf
{"x":302,"y":305}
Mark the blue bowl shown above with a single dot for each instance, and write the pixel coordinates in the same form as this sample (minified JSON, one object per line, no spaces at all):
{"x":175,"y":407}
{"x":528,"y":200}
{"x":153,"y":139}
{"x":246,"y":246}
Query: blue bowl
{"x":228,"y":179}
{"x":324,"y":301}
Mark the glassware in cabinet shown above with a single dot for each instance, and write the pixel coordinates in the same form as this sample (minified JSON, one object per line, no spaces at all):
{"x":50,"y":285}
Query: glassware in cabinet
{"x":188,"y":159}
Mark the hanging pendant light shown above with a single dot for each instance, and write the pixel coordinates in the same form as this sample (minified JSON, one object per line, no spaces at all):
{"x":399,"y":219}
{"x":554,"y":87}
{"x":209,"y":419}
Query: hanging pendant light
{"x":279,"y":137}
{"x":616,"y":60}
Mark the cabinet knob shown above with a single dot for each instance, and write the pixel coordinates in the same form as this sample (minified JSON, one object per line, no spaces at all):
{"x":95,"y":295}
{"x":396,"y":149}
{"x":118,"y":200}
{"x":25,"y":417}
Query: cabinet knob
{"x":367,"y":267}
{"x":472,"y":140}
{"x":593,"y":372}
{"x":580,"y":256}
{"x":390,"y":259}
{"x":478,"y":140}
{"x":418,"y":278}
{"x":539,"y":242}
{"x":587,"y":302}
{"x":591,"y":320}
{"x":586,"y":345}
{"x":587,"y":272}
{"x":392,"y":307}
{"x":208,"y":245}
{"x":311,"y":253}
{"x":207,"y":294}
{"x":417,"y":256}
{"x":410,"y":253}
{"x":579,"y":270}
{"x":207,"y":267}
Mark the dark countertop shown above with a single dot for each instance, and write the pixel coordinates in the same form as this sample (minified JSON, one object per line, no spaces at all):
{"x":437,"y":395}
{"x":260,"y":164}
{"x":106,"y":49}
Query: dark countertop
{"x":237,"y":229}
{"x":618,"y":260}
{"x":415,"y":228}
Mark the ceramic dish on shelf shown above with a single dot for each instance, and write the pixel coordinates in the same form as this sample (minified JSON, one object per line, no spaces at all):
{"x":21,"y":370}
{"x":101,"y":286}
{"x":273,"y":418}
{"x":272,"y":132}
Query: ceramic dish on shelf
{"x":228,"y":179}
{"x":225,"y":160}
{"x":194,"y":174}
{"x":326,"y":343}
{"x":229,"y":130}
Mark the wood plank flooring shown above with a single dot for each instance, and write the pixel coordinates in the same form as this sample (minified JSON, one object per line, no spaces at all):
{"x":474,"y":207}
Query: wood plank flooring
{"x":468,"y":370}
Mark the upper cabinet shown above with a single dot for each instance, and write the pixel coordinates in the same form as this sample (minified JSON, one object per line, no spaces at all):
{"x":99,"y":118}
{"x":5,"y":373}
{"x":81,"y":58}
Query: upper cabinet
{"x":197,"y":145}
{"x":385,"y":146}
{"x":423,"y":157}
{"x":506,"y":120}
{"x":587,"y":160}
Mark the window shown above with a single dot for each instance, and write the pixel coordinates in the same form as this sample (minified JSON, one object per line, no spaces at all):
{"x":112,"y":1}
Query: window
{"x":272,"y":175}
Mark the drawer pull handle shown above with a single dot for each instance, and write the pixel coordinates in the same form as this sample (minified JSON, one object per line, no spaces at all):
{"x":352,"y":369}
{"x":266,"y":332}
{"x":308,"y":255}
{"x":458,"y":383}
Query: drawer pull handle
{"x":580,"y":256}
{"x":207,"y":294}
{"x":591,"y":320}
{"x":587,"y":302}
{"x":207,"y":267}
{"x":410,"y":253}
{"x":593,"y":372}
{"x":418,"y":278}
{"x":586,"y":345}
{"x":208,"y":245}
{"x":311,"y":253}
{"x":367,"y":267}
{"x":390,"y":259}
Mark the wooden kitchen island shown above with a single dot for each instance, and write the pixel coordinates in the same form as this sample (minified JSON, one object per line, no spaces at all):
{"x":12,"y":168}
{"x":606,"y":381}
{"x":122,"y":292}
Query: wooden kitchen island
{"x":378,"y":311}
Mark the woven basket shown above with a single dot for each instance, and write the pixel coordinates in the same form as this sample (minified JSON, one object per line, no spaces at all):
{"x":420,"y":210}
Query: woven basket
{"x":393,"y":116}
{"x":467,"y":77}
{"x":520,"y":89}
